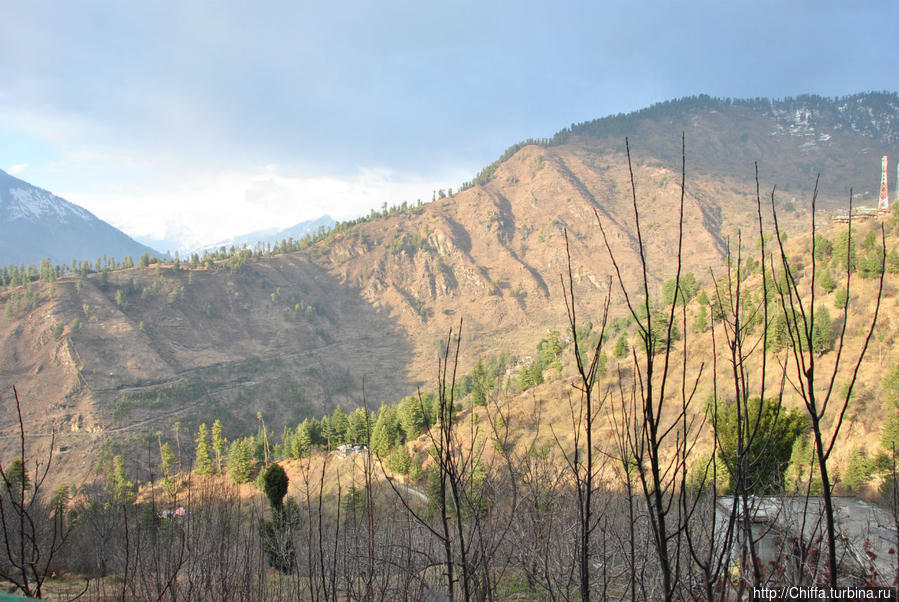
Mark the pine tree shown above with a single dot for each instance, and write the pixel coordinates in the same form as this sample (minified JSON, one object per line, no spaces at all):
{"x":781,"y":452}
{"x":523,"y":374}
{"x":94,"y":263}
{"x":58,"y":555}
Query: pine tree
{"x":240,"y":460}
{"x":218,"y":443}
{"x":120,"y":486}
{"x":17,"y":475}
{"x":549,"y":351}
{"x":823,"y":248}
{"x":844,"y":252}
{"x":621,"y":347}
{"x":386,"y":431}
{"x":301,"y":442}
{"x":822,"y":332}
{"x":767,"y":454}
{"x":701,"y":323}
{"x":416,"y":471}
{"x":411,"y":417}
{"x":167,"y":459}
{"x":274,"y":485}
{"x":859,"y":469}
{"x":203,"y":463}
{"x":327,"y":433}
{"x":869,"y":265}
{"x":359,"y":423}
{"x":839,"y":299}
{"x":826,"y":281}
{"x":340,"y":424}
{"x":400,"y":460}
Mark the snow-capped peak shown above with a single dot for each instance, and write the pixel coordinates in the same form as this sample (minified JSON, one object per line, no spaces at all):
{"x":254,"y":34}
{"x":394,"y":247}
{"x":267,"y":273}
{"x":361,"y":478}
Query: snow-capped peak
{"x":36,"y":224}
{"x":34,"y":203}
{"x":20,"y":200}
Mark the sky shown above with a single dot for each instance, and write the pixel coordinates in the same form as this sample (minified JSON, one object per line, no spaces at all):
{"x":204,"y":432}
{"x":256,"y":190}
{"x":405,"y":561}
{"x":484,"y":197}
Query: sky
{"x":185,"y":123}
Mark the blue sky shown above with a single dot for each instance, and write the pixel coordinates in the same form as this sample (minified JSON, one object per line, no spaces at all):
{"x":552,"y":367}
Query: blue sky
{"x":188,"y":122}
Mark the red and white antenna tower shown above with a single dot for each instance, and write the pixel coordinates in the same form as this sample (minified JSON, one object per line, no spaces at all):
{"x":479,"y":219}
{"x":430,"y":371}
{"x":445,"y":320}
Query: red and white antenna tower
{"x":884,"y":202}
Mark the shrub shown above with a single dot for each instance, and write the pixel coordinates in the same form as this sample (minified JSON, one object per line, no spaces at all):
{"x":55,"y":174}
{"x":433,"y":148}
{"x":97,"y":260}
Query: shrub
{"x":274,"y":483}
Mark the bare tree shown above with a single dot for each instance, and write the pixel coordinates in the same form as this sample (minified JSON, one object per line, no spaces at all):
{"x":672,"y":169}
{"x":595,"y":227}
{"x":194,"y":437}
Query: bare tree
{"x":33,"y":530}
{"x":580,"y":460}
{"x":662,"y":434}
{"x":819,"y":395}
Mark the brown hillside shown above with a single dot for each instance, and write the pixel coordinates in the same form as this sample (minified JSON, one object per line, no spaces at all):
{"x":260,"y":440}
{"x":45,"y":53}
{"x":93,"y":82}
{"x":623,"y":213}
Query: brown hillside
{"x":295,"y":334}
{"x":493,"y":254}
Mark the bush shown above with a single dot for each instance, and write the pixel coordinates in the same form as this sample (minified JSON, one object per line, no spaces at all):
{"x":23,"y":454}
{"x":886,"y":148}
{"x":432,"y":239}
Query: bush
{"x":274,"y":485}
{"x":277,"y":541}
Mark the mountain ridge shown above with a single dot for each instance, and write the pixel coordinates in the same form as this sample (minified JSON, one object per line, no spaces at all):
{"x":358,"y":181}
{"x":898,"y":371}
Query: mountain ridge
{"x":271,"y":235}
{"x":823,"y":132}
{"x":36,"y":224}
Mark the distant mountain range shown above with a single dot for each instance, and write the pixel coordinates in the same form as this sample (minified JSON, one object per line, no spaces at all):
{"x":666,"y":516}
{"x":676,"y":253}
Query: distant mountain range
{"x":36,"y":224}
{"x":272,"y":235}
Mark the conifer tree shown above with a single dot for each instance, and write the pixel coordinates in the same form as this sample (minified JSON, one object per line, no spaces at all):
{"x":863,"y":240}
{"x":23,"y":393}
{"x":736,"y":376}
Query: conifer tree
{"x":340,"y":425}
{"x":358,"y":427}
{"x":400,"y":459}
{"x":203,"y":462}
{"x":118,"y":483}
{"x":240,"y":460}
{"x":218,"y":443}
{"x":621,"y":347}
{"x":412,"y":417}
{"x":822,"y":332}
{"x":826,"y":280}
{"x":701,"y":323}
{"x":168,"y":459}
{"x":301,"y":442}
{"x":385,"y":432}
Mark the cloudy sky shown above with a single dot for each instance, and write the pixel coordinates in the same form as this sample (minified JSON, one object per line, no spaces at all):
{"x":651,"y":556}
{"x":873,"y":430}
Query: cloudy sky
{"x":188,"y":122}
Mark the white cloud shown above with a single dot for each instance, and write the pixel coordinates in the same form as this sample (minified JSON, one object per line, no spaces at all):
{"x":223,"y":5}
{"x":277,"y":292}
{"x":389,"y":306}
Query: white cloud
{"x":49,"y":124}
{"x":214,"y":206}
{"x":16,"y":169}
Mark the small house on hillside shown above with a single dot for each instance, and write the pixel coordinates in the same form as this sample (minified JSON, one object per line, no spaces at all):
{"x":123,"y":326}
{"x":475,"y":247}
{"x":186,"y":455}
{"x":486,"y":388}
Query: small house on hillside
{"x":346,"y":449}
